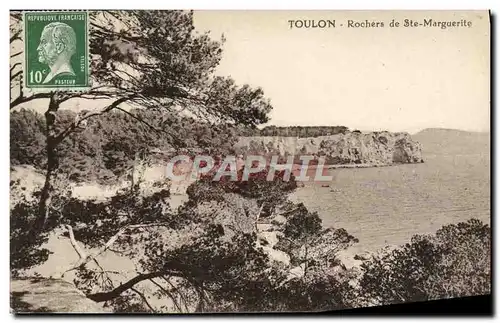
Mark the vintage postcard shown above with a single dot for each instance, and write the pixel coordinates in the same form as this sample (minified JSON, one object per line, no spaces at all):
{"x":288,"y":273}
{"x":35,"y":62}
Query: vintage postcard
{"x":248,"y":161}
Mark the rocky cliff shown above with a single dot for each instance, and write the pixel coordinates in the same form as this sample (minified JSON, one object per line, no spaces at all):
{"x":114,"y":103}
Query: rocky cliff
{"x":371,"y":148}
{"x":46,"y":295}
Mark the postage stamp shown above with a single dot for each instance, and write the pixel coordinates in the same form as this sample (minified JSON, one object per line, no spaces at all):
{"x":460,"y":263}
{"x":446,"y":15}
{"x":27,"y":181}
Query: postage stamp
{"x":56,"y":50}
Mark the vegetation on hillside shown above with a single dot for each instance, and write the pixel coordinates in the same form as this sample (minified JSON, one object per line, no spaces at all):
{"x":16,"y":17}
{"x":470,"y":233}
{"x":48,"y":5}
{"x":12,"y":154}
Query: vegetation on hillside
{"x":294,"y":131}
{"x":107,"y":148}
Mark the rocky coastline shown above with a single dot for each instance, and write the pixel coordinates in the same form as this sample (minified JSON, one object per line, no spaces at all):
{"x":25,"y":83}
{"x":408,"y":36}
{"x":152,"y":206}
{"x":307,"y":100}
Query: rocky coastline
{"x":344,"y":150}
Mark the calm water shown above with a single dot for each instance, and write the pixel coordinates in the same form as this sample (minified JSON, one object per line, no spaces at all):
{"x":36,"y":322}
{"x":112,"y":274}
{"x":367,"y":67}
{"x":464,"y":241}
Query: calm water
{"x":388,"y":205}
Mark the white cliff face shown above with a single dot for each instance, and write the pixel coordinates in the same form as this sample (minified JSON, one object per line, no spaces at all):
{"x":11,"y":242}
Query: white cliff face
{"x":374,"y":148}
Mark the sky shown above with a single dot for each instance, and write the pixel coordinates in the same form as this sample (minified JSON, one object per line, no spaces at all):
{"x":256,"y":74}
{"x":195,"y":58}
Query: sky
{"x":396,"y":79}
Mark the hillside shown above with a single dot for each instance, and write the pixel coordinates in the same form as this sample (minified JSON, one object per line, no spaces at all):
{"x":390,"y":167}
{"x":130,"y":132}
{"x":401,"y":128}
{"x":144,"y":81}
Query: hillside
{"x":453,"y":142}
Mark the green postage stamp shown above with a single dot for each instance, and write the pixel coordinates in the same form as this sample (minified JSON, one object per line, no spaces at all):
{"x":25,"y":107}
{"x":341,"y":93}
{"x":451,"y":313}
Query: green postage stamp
{"x":56,"y":50}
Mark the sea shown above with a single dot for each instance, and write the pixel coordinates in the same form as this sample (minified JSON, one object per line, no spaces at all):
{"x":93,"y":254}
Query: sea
{"x":388,"y":205}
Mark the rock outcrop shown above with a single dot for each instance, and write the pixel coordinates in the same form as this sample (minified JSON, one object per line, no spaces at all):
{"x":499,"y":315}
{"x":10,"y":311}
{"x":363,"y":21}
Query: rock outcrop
{"x":372,"y":148}
{"x":45,"y":295}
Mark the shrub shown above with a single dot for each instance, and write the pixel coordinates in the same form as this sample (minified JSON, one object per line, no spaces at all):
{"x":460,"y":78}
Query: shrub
{"x":455,"y":262}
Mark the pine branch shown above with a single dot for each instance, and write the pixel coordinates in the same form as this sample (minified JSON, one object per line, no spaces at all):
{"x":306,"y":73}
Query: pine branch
{"x":106,"y":296}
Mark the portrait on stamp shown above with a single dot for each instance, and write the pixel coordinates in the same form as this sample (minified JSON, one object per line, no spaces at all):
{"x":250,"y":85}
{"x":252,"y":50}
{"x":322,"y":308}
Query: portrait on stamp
{"x":56,"y":55}
{"x":57,"y":45}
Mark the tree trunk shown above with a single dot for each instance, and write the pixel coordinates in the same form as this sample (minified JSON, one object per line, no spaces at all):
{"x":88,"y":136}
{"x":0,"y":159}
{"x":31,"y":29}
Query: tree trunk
{"x":306,"y":262}
{"x":52,"y":165}
{"x":46,"y":194}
